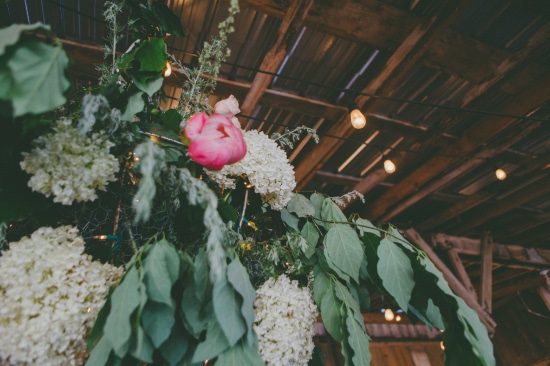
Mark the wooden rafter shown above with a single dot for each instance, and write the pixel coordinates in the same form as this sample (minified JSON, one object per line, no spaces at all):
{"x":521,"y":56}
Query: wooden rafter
{"x":486,"y":297}
{"x":513,"y":255}
{"x":458,"y":266}
{"x":504,"y":204}
{"x":457,"y":287}
{"x":291,"y":24}
{"x":401,"y":61}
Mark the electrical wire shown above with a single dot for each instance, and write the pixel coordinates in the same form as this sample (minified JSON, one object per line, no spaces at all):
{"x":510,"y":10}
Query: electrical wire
{"x":343,"y":90}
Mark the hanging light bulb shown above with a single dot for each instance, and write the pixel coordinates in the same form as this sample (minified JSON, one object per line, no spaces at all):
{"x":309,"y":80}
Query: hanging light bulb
{"x":398,"y":318}
{"x":168,"y":69}
{"x":389,"y":166}
{"x":442,"y":345}
{"x":501,"y":174}
{"x":388,"y":315}
{"x":358,"y":120}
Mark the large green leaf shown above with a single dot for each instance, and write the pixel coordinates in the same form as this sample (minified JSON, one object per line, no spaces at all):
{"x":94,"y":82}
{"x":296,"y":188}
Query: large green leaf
{"x":343,"y":250}
{"x":125,"y":299}
{"x":238,"y":277}
{"x":365,"y":226}
{"x":100,"y":354}
{"x":11,"y":35}
{"x":97,"y":330}
{"x":227,"y":307}
{"x":175,"y":347}
{"x":214,"y":343}
{"x":134,"y":106}
{"x":372,"y":242}
{"x":171,"y":120}
{"x":311,"y":234}
{"x":152,"y":55}
{"x":240,"y":355}
{"x":320,"y":284}
{"x":158,"y":320}
{"x":167,"y":20}
{"x":150,"y":83}
{"x":39,"y":82}
{"x":434,"y":315}
{"x":301,"y":206}
{"x":290,"y":219}
{"x":330,"y":313}
{"x":395,"y":270}
{"x":161,"y":268}
{"x":345,"y":296}
{"x":358,"y":341}
{"x":141,"y":347}
{"x":331,"y":212}
{"x":317,"y":200}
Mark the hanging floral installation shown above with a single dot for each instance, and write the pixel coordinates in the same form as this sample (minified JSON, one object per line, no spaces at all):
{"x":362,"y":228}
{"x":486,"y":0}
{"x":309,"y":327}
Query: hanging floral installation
{"x":130,"y":234}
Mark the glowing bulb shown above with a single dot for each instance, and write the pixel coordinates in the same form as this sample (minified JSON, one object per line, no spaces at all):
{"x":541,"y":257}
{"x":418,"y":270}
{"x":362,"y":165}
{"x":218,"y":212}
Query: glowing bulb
{"x":358,"y":120}
{"x":388,"y":315}
{"x":88,"y":309}
{"x":389,"y":166}
{"x":398,"y":318}
{"x":501,"y":174}
{"x":442,"y":345}
{"x":168,"y":69}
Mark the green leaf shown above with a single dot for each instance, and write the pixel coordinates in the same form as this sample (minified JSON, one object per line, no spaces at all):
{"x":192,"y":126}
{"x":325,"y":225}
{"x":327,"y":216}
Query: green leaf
{"x":167,"y":20}
{"x":152,"y":55}
{"x":372,"y":242}
{"x":290,"y":219}
{"x":311,"y":234}
{"x":125,"y":299}
{"x":331,"y":212}
{"x":175,"y":347}
{"x":343,"y":250}
{"x":39,"y":82}
{"x":330,"y":313}
{"x":161,"y":268}
{"x":395,"y":270}
{"x":317,"y":200}
{"x":158,"y":320}
{"x":141,"y":347}
{"x":358,"y":341}
{"x":318,"y":357}
{"x":320,"y":284}
{"x":97,"y":330}
{"x":345,"y":296}
{"x":171,"y":120}
{"x":365,"y":226}
{"x":398,"y":238}
{"x":227,"y":212}
{"x":100,"y":354}
{"x":11,"y":35}
{"x":434,"y":315}
{"x":150,"y":83}
{"x":301,"y":206}
{"x":214,"y":343}
{"x":134,"y":106}
{"x":227,"y":308}
{"x":240,"y":355}
{"x":238,"y":277}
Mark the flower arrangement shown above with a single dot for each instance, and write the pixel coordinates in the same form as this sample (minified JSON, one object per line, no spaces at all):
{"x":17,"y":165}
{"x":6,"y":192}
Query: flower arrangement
{"x":201,"y":285}
{"x":51,"y":294}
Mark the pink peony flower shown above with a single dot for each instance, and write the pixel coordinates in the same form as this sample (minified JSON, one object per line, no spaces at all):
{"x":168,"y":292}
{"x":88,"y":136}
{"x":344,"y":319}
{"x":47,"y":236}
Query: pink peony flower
{"x":229,"y":107}
{"x":215,"y":141}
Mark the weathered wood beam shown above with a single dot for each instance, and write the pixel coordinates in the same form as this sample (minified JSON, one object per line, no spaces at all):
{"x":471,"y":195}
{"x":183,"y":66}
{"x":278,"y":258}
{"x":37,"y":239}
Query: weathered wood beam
{"x":458,"y":266}
{"x":544,"y":292}
{"x":502,"y":253}
{"x":518,"y":286}
{"x":470,"y":141}
{"x":487,"y":273}
{"x":454,"y":283}
{"x":388,"y":28}
{"x":401,"y":61}
{"x":291,"y":24}
{"x":507,"y":139}
{"x":504,"y":204}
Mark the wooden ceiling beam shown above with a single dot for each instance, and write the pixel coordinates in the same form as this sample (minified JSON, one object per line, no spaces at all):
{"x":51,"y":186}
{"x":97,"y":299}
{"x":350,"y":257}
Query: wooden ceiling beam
{"x":505,"y":254}
{"x":487,"y":273}
{"x":291,"y":24}
{"x":507,"y":203}
{"x":508,"y":139}
{"x":386,"y":27}
{"x":401,"y":61}
{"x":461,"y":272}
{"x":457,"y":287}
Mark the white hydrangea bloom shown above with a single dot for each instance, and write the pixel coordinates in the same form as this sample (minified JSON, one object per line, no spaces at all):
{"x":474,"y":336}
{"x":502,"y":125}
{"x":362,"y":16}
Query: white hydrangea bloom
{"x":70,"y":165}
{"x":50,"y":296}
{"x":266,"y":167}
{"x":285,"y":322}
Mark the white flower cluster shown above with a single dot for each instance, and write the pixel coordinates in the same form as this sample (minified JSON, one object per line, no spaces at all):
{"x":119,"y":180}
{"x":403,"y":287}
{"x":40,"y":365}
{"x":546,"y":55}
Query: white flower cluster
{"x":50,"y":296}
{"x":70,"y":165}
{"x":266,"y":167}
{"x":285,"y":322}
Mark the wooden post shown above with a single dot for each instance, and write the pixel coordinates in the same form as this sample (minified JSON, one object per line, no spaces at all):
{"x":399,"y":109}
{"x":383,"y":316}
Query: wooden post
{"x":487,"y":272}
{"x":461,"y":271}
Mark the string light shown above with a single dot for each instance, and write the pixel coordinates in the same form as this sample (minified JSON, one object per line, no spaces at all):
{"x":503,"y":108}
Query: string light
{"x":398,"y":318}
{"x":358,"y":119}
{"x":168,"y":69}
{"x":500,"y":174}
{"x":442,"y":345}
{"x":88,"y":309}
{"x":389,"y":166}
{"x":388,"y":315}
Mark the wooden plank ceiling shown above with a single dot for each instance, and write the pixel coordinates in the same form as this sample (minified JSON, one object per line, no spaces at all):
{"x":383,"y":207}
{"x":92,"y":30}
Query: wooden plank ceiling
{"x":301,"y":62}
